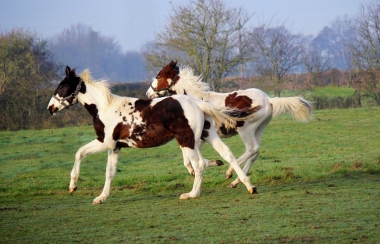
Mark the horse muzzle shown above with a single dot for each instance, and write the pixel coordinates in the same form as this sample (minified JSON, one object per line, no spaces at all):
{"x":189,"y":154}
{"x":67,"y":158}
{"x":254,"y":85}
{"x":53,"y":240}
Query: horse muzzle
{"x":53,"y":110}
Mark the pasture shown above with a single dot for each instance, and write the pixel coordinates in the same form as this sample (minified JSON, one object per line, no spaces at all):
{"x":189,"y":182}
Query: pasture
{"x":317,"y":183}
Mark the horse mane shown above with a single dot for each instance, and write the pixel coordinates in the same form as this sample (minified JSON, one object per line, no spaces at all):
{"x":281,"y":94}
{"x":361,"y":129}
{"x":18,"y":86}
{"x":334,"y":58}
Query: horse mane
{"x":102,"y":85}
{"x":193,"y":82}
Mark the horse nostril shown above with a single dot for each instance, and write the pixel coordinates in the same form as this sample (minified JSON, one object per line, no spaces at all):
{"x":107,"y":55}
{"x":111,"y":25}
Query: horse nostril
{"x":51,"y":109}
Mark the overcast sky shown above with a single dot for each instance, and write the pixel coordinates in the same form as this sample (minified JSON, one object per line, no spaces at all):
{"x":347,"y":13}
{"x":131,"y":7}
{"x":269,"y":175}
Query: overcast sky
{"x":135,"y":22}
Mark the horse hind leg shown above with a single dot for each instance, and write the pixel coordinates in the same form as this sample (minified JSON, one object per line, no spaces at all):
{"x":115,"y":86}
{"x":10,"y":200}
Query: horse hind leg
{"x":253,"y":145}
{"x":187,"y":164}
{"x":251,"y":148}
{"x":209,"y":163}
{"x":113,"y":157}
{"x":92,"y":147}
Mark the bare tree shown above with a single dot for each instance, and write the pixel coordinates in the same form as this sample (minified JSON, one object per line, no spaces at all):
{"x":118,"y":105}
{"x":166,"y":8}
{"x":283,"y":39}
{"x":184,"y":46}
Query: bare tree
{"x":343,"y":35}
{"x":278,"y":51}
{"x":316,"y":63}
{"x":365,"y":50}
{"x":205,"y":34}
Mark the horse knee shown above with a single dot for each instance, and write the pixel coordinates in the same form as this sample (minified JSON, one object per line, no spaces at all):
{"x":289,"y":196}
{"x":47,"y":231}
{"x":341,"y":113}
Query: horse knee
{"x":252,"y":151}
{"x":201,"y":166}
{"x":79,"y":155}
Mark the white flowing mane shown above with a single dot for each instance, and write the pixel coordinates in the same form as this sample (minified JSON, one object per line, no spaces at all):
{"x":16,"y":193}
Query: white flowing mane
{"x":101,"y":85}
{"x":193,"y":83}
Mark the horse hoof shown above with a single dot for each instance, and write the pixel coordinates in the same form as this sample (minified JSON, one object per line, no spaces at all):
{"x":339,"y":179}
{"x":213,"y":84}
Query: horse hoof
{"x":71,"y":190}
{"x":231,"y":186}
{"x":228,"y":176}
{"x":184,"y":196}
{"x":253,"y":190}
{"x":219,"y":163}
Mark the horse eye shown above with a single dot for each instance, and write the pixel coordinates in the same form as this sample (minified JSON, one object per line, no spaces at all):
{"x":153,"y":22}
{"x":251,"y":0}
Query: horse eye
{"x":158,"y":77}
{"x":61,"y":86}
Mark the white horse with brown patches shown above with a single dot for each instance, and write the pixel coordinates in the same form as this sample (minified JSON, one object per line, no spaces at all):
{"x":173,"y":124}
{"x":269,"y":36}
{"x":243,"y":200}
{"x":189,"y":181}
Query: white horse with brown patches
{"x":130,"y":122}
{"x":174,"y":80}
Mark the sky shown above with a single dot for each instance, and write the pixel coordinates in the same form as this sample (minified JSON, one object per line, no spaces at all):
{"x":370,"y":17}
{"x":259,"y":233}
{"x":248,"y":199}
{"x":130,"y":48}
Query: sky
{"x":133,"y":23}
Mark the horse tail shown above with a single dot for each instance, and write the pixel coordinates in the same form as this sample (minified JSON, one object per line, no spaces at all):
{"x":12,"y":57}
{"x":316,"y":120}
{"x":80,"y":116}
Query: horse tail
{"x":220,"y":115}
{"x":298,"y":107}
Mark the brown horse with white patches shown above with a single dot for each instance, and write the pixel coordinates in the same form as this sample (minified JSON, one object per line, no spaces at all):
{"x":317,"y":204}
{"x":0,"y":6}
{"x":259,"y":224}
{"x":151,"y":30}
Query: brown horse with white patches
{"x":173,"y":80}
{"x":131,"y":122}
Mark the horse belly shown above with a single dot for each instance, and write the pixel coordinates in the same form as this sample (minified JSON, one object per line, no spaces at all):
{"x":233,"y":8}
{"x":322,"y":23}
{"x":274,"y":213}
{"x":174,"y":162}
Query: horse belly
{"x":144,"y":138}
{"x":152,"y":141}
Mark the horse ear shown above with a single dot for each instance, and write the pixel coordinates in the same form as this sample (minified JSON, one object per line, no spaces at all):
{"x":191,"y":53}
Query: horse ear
{"x":173,"y":64}
{"x":176,"y":67}
{"x":68,"y":70}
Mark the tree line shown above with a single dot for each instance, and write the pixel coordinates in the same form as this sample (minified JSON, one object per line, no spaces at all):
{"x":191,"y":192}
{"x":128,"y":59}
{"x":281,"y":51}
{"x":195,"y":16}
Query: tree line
{"x":209,"y":36}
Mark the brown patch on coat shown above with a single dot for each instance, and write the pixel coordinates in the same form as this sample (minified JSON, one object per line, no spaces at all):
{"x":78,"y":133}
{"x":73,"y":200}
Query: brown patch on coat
{"x":161,"y":123}
{"x":98,"y":124}
{"x":204,"y":134}
{"x":141,"y":104}
{"x":238,"y":102}
{"x":206,"y":126}
{"x":241,"y":106}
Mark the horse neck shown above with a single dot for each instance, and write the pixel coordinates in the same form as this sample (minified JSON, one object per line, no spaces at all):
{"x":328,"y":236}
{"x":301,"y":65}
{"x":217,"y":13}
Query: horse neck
{"x":183,"y":87}
{"x":93,"y":95}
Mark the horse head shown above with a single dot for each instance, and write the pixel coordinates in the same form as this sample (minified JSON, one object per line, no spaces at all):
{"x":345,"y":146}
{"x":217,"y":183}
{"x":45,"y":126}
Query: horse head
{"x":164,"y":81}
{"x":67,"y":91}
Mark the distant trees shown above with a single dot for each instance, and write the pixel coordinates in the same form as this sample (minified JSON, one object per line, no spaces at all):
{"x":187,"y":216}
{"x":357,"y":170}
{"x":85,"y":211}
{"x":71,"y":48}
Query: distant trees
{"x":207,"y":35}
{"x":27,"y":71}
{"x":316,"y":63}
{"x":365,"y":49}
{"x":278,"y":51}
{"x":82,"y":47}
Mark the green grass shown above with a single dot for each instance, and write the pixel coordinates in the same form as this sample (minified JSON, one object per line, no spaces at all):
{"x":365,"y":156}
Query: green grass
{"x":333,"y":91}
{"x":326,"y":91}
{"x":317,"y":183}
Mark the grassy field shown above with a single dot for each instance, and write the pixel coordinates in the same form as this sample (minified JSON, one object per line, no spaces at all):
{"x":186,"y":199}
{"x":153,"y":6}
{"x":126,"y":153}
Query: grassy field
{"x":317,"y":183}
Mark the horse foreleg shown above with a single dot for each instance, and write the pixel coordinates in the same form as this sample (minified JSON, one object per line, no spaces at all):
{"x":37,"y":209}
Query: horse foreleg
{"x":247,"y":155}
{"x":113,"y":157}
{"x":246,"y":168}
{"x":92,"y":147}
{"x":199,"y":166}
{"x":227,"y":155}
